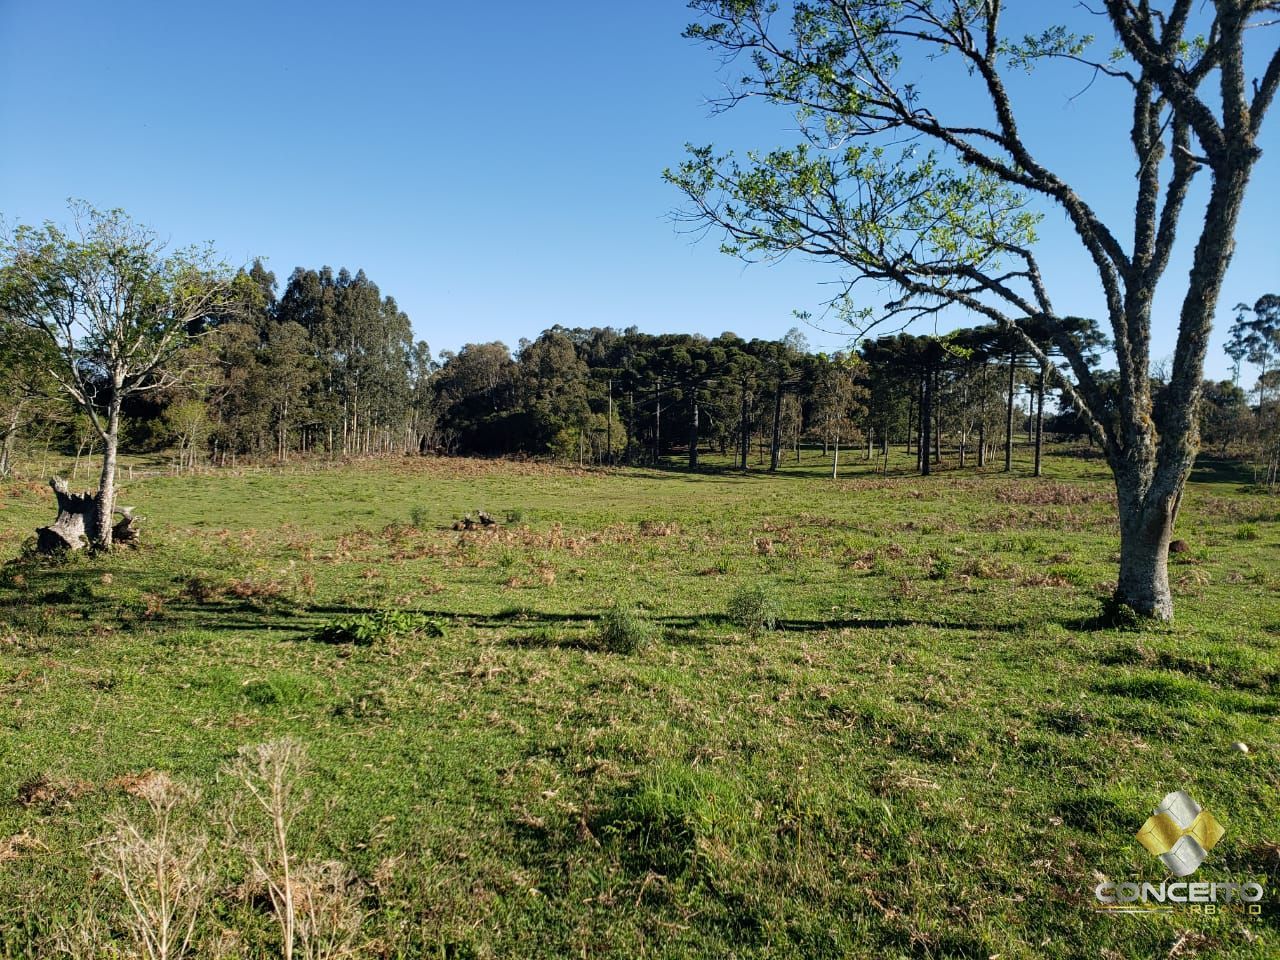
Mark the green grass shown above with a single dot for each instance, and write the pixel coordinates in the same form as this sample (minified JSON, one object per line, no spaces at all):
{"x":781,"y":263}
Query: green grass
{"x":935,"y":754}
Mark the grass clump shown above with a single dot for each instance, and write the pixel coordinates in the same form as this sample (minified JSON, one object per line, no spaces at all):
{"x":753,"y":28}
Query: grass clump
{"x":753,"y":607}
{"x":366,"y":629}
{"x":621,"y":629}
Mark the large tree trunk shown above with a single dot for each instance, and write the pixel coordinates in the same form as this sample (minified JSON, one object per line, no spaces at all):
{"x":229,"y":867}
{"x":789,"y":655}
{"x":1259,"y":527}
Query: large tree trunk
{"x":101,"y":534}
{"x":744,"y":427}
{"x":1146,"y":527}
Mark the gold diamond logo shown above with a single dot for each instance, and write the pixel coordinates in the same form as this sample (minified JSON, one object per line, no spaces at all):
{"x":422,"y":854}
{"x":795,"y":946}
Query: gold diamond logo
{"x":1181,"y":833}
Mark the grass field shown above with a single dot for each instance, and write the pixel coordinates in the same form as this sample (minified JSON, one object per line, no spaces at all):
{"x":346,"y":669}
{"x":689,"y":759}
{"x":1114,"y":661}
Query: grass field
{"x":937,"y":753}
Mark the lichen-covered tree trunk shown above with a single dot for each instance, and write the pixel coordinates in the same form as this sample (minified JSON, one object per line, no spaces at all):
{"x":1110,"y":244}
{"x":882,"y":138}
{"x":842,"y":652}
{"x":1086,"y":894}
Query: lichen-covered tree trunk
{"x":1146,"y":528}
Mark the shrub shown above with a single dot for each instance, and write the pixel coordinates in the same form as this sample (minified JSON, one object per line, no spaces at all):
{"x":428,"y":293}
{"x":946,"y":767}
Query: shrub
{"x":941,"y":566}
{"x":315,"y":904}
{"x":1247,"y":532}
{"x":753,"y":607}
{"x":368,"y":628}
{"x":622,"y":630}
{"x":418,"y":517}
{"x":160,"y":865}
{"x":1119,"y":616}
{"x":515,"y":516}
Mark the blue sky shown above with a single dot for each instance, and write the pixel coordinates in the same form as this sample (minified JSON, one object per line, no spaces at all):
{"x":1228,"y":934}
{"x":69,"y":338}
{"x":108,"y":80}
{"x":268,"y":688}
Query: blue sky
{"x":495,"y":175}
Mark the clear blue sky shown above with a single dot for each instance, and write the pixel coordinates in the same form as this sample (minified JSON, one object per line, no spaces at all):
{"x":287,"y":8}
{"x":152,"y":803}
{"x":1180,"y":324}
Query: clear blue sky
{"x":496,"y":175}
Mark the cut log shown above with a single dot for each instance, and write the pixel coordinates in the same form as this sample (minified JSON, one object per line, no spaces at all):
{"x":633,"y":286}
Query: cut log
{"x":77,"y":520}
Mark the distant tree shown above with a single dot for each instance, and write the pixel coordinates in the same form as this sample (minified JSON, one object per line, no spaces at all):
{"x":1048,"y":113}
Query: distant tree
{"x":27,"y":391}
{"x":553,"y":391}
{"x":113,"y":308}
{"x":188,"y":424}
{"x":1225,"y":420}
{"x":1255,"y":336}
{"x":838,"y":404}
{"x":898,"y":187}
{"x":476,"y":388}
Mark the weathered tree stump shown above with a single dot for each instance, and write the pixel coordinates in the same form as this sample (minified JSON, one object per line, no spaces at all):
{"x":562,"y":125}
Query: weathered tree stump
{"x":77,"y":516}
{"x":124,"y":530}
{"x":78,"y":520}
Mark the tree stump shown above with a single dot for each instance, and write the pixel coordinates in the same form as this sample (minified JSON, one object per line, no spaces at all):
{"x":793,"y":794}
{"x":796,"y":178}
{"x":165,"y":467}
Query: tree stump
{"x":77,"y":514}
{"x":78,"y":519}
{"x":124,"y":530}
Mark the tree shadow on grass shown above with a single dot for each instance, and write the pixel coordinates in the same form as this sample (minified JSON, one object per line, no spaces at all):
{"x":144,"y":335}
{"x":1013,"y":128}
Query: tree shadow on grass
{"x":66,"y":598}
{"x":676,"y":628}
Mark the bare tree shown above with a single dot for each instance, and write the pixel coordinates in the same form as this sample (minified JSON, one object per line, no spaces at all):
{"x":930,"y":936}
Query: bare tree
{"x":115,"y":309}
{"x":943,"y":208}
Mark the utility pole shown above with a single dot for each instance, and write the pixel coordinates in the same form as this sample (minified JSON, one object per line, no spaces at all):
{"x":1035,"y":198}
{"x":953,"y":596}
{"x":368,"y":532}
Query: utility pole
{"x":609,"y":428}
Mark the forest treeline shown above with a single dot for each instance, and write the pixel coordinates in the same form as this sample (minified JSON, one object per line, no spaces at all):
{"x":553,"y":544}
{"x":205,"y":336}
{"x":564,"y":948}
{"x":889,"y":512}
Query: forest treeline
{"x":329,"y":366}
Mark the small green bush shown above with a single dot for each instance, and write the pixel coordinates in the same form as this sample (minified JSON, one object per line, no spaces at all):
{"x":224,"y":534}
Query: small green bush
{"x":515,"y":516}
{"x":418,"y":517}
{"x":367,"y":629}
{"x":941,"y":566}
{"x":753,"y":607}
{"x":622,"y":630}
{"x":1119,"y":616}
{"x":1247,"y":532}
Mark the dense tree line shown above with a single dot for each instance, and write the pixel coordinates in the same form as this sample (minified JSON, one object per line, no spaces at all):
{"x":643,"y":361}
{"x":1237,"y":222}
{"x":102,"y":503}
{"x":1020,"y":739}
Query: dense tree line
{"x":329,"y":367}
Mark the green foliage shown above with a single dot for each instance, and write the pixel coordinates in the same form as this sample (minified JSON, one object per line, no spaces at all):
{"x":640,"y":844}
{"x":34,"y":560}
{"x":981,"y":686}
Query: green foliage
{"x":366,"y":629}
{"x":622,"y":629}
{"x":1120,"y":616}
{"x":941,"y":566}
{"x":753,"y":607}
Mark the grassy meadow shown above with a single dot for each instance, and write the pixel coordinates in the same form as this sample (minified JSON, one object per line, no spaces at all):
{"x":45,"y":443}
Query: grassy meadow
{"x":938,"y":752}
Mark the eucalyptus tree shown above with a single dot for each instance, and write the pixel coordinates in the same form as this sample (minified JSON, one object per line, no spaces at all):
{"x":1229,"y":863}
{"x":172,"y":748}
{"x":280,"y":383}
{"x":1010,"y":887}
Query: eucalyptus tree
{"x":939,"y":195}
{"x":112,"y":308}
{"x":1255,"y":336}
